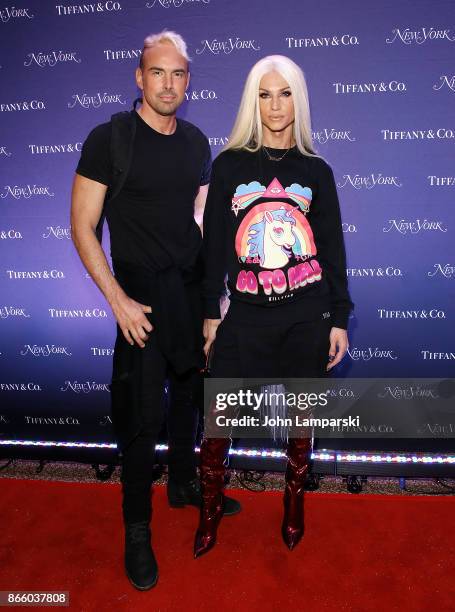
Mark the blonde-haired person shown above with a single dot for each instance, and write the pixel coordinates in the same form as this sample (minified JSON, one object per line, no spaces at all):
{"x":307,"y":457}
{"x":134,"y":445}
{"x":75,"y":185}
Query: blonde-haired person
{"x":248,"y":130}
{"x":271,"y":224}
{"x":148,"y":171}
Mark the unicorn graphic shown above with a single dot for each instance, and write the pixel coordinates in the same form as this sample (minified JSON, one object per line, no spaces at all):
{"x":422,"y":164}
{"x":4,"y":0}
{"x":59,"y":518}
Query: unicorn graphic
{"x":273,"y":238}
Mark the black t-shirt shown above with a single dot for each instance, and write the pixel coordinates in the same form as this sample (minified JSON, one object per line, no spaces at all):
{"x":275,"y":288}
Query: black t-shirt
{"x":274,"y":227}
{"x":153,"y":215}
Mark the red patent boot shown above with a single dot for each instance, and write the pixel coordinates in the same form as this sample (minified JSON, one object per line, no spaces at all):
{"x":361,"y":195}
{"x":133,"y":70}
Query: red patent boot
{"x":299,"y":453}
{"x":214,"y":452}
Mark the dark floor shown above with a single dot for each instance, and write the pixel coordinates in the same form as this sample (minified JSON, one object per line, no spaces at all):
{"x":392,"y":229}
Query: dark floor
{"x":81,"y":472}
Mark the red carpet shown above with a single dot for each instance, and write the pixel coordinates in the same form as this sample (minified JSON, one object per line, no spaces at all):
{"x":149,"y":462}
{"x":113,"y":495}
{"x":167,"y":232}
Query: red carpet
{"x":360,"y":552}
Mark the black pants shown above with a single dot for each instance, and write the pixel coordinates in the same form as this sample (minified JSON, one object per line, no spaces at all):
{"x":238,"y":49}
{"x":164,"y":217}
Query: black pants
{"x":151,"y":372}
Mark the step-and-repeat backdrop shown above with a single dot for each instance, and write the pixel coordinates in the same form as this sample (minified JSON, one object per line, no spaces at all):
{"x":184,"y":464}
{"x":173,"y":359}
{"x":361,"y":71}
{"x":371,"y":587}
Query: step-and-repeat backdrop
{"x":382,"y":90}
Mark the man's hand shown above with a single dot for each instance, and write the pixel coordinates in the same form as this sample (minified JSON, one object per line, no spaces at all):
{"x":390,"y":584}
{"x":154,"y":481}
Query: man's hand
{"x":209,"y":331}
{"x":86,"y":208}
{"x":338,"y":346}
{"x":131,"y":319}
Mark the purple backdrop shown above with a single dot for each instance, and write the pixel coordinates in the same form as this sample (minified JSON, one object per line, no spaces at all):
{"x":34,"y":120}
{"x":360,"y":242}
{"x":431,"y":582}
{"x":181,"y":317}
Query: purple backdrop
{"x":382,"y":92}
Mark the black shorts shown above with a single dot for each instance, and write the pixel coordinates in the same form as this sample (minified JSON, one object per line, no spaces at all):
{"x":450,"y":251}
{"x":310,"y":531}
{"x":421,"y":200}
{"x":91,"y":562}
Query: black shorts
{"x":284,"y":349}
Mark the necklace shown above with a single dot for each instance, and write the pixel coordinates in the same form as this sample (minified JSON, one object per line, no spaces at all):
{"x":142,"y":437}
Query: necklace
{"x":272,"y":157}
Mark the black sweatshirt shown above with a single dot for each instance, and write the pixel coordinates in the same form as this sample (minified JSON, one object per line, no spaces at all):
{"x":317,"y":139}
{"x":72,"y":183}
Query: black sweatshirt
{"x":274,"y":228}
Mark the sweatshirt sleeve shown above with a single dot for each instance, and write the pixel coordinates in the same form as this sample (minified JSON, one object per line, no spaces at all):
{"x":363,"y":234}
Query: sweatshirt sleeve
{"x":330,"y":245}
{"x":215,"y":243}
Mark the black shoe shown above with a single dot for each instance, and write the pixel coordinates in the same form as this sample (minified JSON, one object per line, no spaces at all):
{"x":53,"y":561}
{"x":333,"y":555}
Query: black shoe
{"x":140,"y":563}
{"x":190,"y":494}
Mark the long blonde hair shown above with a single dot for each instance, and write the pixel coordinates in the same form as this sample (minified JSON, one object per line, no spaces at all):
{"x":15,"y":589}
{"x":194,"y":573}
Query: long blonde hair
{"x":247,"y":131}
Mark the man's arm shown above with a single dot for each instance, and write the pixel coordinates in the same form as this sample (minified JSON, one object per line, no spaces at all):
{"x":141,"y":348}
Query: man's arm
{"x":199,"y":205}
{"x":86,"y":207}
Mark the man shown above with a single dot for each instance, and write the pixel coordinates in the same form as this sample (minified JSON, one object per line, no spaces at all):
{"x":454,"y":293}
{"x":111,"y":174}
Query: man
{"x":148,"y":173}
